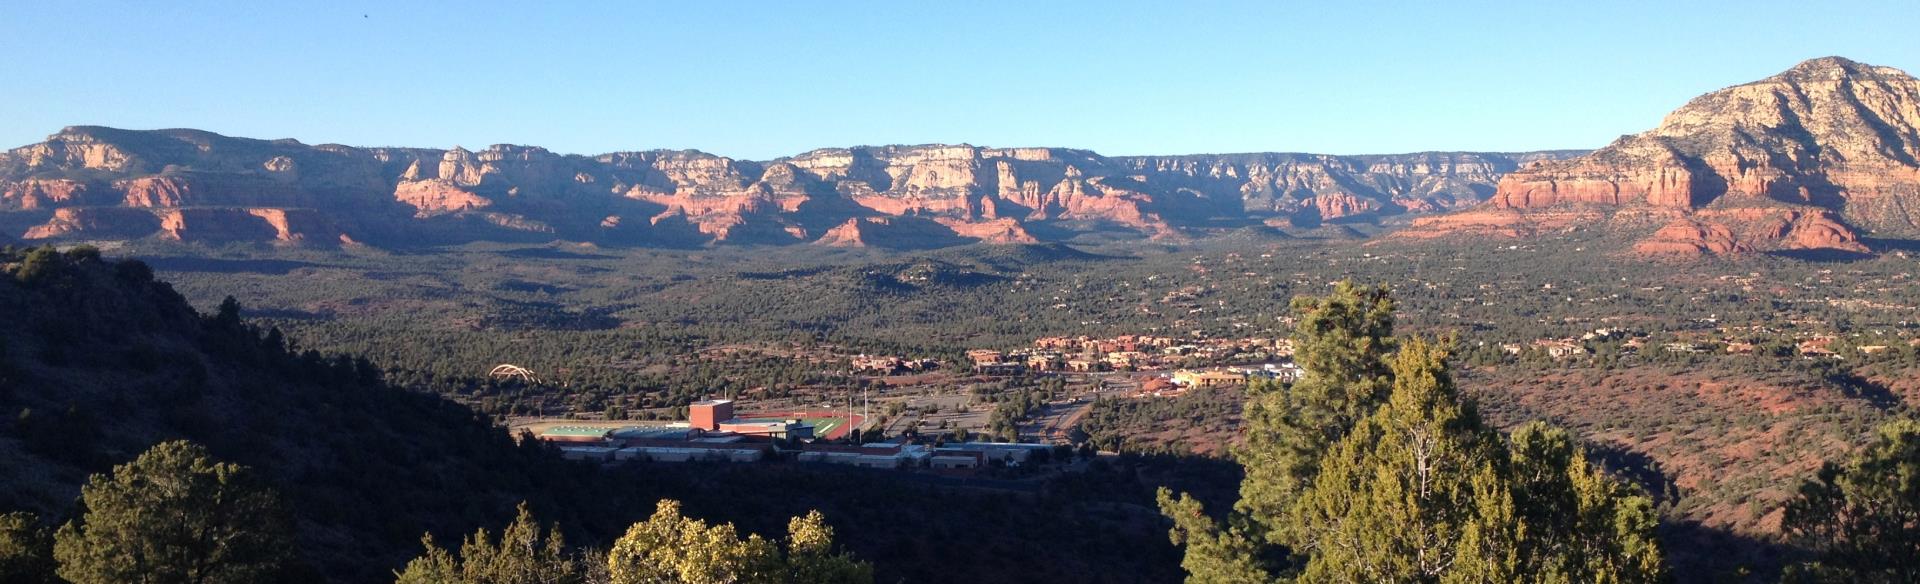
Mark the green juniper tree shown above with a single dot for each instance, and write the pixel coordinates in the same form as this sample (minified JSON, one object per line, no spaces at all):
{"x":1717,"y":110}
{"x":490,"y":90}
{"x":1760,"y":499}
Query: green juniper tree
{"x":1582,"y":525}
{"x":174,"y":515}
{"x":523,"y":554}
{"x":1412,"y":494}
{"x":1213,"y":555}
{"x":1372,"y":468}
{"x":1863,"y":517}
{"x":1341,"y":343}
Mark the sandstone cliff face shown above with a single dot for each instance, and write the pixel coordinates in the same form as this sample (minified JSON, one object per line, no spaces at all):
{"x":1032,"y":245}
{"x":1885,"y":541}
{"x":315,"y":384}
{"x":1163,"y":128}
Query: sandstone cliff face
{"x":1002,"y":230}
{"x":221,"y":225}
{"x":1807,"y":159}
{"x":300,"y":225}
{"x":433,"y":196}
{"x":211,"y":224}
{"x":970,"y":183}
{"x":959,"y":192}
{"x":1722,"y":231}
{"x":1334,"y":187}
{"x":36,"y":194}
{"x":95,"y":223}
{"x":919,"y":233}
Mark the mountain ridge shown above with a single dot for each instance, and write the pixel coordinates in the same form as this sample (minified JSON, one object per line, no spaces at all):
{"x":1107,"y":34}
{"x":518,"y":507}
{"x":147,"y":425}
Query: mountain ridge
{"x":93,"y":182}
{"x":1822,"y":157}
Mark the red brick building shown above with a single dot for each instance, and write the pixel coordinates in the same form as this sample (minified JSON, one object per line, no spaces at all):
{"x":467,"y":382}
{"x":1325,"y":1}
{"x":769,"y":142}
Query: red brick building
{"x":707,"y":415}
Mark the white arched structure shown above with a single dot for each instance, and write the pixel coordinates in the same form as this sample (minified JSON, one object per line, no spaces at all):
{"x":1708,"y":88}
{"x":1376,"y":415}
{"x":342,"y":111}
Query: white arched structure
{"x":509,"y":371}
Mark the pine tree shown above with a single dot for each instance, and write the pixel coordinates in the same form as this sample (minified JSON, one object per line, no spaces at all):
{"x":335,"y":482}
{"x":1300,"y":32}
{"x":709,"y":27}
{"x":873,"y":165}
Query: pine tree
{"x":1582,"y":525}
{"x":1412,"y":494}
{"x":228,"y":315}
{"x":1340,"y":344}
{"x":1861,"y":516}
{"x":1214,"y":555}
{"x":174,"y":515}
{"x":40,"y":264}
{"x":1373,"y":469}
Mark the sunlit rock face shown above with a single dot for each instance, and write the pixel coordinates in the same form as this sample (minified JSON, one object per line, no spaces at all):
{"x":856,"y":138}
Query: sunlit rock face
{"x":1809,"y":159}
{"x":287,"y":192}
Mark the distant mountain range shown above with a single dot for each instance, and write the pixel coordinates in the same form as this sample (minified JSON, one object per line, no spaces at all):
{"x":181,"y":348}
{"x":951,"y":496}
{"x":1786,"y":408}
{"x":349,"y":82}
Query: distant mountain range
{"x":1821,"y":157}
{"x":92,"y":183}
{"x":1825,"y":156}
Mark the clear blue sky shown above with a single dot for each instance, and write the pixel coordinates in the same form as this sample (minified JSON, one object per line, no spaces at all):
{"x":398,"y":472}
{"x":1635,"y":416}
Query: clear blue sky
{"x":764,"y":79}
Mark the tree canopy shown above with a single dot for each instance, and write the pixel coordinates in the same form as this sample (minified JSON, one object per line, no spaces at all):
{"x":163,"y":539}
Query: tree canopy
{"x":1863,"y":517}
{"x":174,"y":515}
{"x":672,"y":548}
{"x":523,"y":554}
{"x":26,"y":550}
{"x":1372,"y":468}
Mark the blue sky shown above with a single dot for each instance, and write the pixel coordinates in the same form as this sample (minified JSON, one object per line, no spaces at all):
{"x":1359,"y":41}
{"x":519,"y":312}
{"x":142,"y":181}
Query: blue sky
{"x":764,"y":79}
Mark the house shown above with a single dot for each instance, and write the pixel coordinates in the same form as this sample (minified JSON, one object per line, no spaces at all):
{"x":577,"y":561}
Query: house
{"x":1560,"y":348}
{"x":1126,"y":360}
{"x":985,"y":357}
{"x":1282,"y":372}
{"x":1045,"y":362}
{"x":1683,"y":348}
{"x":1209,"y":378}
{"x":1817,"y":347}
{"x":1085,"y":364}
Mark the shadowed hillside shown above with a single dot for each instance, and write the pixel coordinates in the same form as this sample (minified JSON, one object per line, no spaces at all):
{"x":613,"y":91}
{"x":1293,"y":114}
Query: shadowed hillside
{"x":98,"y":362}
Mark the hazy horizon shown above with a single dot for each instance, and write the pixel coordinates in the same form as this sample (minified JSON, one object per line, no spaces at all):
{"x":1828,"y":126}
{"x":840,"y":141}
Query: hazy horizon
{"x":765,"y":81}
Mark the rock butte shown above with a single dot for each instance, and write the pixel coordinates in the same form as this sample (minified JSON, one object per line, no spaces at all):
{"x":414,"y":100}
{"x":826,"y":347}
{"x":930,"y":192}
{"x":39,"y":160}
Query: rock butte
{"x":1805,"y":160}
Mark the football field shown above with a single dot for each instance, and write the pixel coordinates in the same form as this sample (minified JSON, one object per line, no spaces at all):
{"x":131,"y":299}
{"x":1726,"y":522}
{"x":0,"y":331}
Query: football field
{"x":825,"y":424}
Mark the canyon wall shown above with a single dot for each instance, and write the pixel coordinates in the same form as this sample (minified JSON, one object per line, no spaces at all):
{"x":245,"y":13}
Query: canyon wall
{"x":1818,"y":157}
{"x":188,"y":182}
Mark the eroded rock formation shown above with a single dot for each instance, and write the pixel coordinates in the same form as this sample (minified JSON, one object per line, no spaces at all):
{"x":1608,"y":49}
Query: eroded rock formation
{"x":285,"y":191}
{"x":1805,"y":160}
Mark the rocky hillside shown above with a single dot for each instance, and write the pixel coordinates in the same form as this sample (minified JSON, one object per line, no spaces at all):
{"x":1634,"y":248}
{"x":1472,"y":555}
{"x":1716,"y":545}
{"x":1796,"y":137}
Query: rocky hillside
{"x":92,"y":183}
{"x":1820,"y":157}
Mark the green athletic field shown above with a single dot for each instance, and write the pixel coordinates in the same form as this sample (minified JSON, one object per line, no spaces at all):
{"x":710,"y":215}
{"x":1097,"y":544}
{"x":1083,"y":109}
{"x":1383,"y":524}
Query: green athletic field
{"x":823,"y":426}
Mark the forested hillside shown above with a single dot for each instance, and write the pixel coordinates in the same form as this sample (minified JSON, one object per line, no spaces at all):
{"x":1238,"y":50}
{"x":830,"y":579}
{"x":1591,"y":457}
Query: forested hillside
{"x":102,"y":362}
